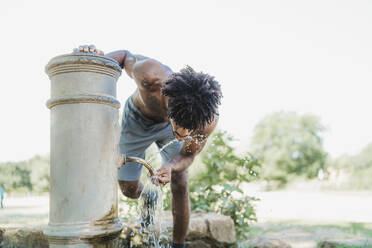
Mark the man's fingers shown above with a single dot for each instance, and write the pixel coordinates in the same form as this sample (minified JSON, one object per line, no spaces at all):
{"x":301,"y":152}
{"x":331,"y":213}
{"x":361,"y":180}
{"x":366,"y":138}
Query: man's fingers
{"x":92,"y":48}
{"x":163,"y":180}
{"x":85,"y":48}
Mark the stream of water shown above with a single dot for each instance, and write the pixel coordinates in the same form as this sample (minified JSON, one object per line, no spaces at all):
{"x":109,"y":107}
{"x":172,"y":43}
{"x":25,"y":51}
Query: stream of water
{"x":151,"y":217}
{"x":160,"y":150}
{"x":150,"y":205}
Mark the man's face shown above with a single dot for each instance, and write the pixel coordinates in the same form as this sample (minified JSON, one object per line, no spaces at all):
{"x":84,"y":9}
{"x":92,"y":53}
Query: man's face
{"x":179,"y":132}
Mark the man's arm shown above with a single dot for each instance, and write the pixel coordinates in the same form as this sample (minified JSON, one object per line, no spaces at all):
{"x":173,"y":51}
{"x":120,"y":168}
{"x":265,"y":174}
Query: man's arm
{"x":126,"y":60}
{"x":138,"y":67}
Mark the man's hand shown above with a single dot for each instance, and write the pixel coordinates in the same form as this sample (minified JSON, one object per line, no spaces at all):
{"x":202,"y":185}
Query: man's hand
{"x":87,"y":49}
{"x":163,"y":175}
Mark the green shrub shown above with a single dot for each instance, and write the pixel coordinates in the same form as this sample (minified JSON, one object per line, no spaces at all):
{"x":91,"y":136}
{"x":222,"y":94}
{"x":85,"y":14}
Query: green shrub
{"x":218,"y":187}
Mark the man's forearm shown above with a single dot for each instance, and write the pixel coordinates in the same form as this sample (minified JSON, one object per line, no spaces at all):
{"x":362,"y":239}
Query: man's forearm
{"x":120,"y":56}
{"x":126,"y":60}
{"x":181,"y":162}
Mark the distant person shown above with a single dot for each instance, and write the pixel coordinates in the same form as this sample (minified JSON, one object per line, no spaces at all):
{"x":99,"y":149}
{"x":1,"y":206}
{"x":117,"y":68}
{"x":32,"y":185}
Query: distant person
{"x":165,"y":106}
{"x":2,"y":193}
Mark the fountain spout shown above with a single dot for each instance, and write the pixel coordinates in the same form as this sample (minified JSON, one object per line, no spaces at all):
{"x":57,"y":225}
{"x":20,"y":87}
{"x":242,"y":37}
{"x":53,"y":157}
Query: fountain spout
{"x":124,"y":159}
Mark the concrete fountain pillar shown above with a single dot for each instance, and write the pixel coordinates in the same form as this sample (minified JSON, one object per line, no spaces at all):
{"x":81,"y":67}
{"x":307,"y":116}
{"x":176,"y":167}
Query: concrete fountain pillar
{"x":83,"y":151}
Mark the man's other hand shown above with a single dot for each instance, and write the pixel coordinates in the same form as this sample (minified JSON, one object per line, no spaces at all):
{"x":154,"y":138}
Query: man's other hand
{"x":88,"y":49}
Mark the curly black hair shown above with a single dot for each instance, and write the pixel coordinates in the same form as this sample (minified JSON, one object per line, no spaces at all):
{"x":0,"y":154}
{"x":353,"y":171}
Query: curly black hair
{"x":193,"y":98}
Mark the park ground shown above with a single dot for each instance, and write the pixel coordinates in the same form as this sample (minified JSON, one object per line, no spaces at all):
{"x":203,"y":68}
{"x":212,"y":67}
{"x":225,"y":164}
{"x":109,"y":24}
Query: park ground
{"x":300,"y":219}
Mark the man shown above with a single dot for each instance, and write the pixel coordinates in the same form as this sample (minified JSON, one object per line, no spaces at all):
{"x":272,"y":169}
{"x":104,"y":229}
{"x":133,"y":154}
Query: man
{"x":164,"y":107}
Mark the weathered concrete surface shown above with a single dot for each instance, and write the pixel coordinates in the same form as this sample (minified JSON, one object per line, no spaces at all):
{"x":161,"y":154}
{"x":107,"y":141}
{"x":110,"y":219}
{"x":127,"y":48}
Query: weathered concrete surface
{"x":207,"y":230}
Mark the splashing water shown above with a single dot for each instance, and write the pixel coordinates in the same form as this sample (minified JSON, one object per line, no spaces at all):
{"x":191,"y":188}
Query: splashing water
{"x":160,"y":150}
{"x":150,"y":206}
{"x":197,"y":139}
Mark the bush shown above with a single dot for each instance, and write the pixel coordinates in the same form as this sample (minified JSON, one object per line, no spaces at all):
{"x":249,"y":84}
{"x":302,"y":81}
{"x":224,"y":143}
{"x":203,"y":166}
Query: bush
{"x":218,"y":187}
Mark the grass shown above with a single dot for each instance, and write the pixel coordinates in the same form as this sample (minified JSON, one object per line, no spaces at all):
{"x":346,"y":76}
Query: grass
{"x":297,"y":233}
{"x":350,"y":228}
{"x":349,"y":246}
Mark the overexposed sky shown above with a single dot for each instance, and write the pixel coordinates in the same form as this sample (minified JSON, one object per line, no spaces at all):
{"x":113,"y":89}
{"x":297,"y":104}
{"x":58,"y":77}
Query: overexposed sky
{"x":269,"y":55}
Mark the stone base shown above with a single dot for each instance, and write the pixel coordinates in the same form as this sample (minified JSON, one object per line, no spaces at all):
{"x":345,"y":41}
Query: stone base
{"x":206,"y":230}
{"x":209,"y":230}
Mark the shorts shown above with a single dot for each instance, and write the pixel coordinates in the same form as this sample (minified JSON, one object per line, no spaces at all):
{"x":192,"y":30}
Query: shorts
{"x":137,"y":134}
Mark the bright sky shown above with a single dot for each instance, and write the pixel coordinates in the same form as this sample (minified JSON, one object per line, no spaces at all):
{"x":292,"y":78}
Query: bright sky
{"x":269,"y":55}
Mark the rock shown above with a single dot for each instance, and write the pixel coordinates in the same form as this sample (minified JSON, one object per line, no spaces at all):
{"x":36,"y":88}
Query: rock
{"x":221,"y":228}
{"x":198,"y":226}
{"x":352,"y":242}
{"x":2,"y":231}
{"x":267,"y":243}
{"x":25,"y":238}
{"x":198,"y":244}
{"x":213,"y":226}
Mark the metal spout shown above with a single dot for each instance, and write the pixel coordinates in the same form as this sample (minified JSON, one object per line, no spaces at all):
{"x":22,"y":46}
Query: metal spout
{"x":123,"y":159}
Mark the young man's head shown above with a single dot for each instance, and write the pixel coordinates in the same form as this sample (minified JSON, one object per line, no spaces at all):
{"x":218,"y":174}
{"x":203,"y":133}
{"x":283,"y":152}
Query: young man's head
{"x":193,"y":100}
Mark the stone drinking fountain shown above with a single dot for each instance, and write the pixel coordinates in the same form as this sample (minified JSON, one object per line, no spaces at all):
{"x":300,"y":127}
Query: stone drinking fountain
{"x":83,"y":209}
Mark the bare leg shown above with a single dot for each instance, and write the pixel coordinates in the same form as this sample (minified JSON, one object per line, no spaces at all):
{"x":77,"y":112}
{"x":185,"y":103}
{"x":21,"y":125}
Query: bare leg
{"x":180,"y":206}
{"x":131,"y":189}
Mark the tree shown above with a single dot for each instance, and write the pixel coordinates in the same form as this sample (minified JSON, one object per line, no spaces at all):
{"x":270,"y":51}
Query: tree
{"x":289,"y":145}
{"x":26,"y":176}
{"x":357,"y":169}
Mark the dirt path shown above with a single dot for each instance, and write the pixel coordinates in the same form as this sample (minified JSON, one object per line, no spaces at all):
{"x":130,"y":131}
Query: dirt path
{"x":315,"y":206}
{"x":302,"y":219}
{"x":25,"y":211}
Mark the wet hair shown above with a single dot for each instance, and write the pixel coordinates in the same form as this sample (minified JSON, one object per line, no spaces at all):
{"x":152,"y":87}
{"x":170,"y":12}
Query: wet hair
{"x":193,"y":98}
